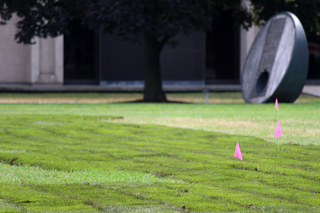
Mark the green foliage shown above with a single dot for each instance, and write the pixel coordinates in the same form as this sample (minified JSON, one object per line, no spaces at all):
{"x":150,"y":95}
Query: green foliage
{"x":195,"y":169}
{"x":306,"y":10}
{"x":164,"y":19}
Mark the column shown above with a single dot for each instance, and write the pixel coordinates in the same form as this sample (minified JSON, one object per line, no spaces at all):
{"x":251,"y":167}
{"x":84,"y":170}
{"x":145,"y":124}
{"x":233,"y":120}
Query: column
{"x":46,"y":65}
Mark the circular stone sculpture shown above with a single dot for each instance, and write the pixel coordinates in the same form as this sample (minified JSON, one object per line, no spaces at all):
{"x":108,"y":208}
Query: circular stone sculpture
{"x":277,"y":64}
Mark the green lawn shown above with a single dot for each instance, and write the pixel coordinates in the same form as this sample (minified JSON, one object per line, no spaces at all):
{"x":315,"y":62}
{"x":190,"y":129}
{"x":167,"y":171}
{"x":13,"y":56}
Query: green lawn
{"x":299,"y":122}
{"x":112,"y":158}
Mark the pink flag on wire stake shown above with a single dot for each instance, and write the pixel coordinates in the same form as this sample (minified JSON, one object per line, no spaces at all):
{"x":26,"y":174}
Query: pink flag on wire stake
{"x":277,"y":132}
{"x":276,"y":105}
{"x":237,"y":152}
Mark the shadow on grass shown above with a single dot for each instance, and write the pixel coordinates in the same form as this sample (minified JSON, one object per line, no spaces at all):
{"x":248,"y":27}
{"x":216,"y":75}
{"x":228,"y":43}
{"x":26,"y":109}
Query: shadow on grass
{"x":165,"y":102}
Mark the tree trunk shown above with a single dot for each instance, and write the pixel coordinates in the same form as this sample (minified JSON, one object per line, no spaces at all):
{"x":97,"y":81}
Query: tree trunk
{"x":153,"y":82}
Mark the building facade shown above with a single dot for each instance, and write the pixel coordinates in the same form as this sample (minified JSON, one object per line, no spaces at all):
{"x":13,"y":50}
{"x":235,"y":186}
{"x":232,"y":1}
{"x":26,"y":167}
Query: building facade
{"x":88,"y":58}
{"x":41,"y":63}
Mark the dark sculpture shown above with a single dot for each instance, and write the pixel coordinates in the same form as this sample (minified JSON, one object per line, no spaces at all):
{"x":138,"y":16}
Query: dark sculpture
{"x":277,"y":64}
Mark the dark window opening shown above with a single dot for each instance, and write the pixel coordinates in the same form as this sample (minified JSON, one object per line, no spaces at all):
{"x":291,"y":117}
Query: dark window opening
{"x":80,"y":56}
{"x":314,"y":56}
{"x":222,"y":50}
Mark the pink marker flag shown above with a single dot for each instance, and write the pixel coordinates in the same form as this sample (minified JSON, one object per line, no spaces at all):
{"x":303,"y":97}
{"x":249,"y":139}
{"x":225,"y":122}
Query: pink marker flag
{"x":277,"y":132}
{"x":237,"y":152}
{"x":276,"y":104}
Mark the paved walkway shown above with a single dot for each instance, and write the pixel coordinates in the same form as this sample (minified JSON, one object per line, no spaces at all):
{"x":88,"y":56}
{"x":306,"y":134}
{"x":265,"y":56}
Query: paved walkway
{"x":119,"y":88}
{"x":308,"y":89}
{"x":312,"y":90}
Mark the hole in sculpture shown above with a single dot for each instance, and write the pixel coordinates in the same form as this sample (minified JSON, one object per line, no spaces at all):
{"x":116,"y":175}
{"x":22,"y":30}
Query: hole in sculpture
{"x":262,"y":82}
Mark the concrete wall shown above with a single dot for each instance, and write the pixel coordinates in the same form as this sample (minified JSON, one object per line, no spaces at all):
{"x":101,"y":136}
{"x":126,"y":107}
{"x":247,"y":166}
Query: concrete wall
{"x":186,"y":62}
{"x":14,"y":58}
{"x":123,"y":62}
{"x":46,"y":66}
{"x":30,"y":64}
{"x":246,"y":38}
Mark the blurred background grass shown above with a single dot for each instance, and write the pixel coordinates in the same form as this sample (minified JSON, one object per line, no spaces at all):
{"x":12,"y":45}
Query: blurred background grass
{"x":226,"y":112}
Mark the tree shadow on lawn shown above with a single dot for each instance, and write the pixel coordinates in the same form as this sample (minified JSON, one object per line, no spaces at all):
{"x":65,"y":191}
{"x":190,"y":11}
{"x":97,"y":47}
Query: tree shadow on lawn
{"x":165,"y":102}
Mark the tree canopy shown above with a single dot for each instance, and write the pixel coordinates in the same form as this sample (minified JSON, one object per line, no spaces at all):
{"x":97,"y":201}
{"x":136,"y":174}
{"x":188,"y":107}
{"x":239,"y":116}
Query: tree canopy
{"x":129,"y":18}
{"x":308,"y":11}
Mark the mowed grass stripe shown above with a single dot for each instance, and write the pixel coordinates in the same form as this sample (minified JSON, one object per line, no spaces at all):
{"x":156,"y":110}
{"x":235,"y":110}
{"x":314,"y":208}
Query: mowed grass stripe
{"x":25,"y":174}
{"x":271,"y":176}
{"x":8,"y":207}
